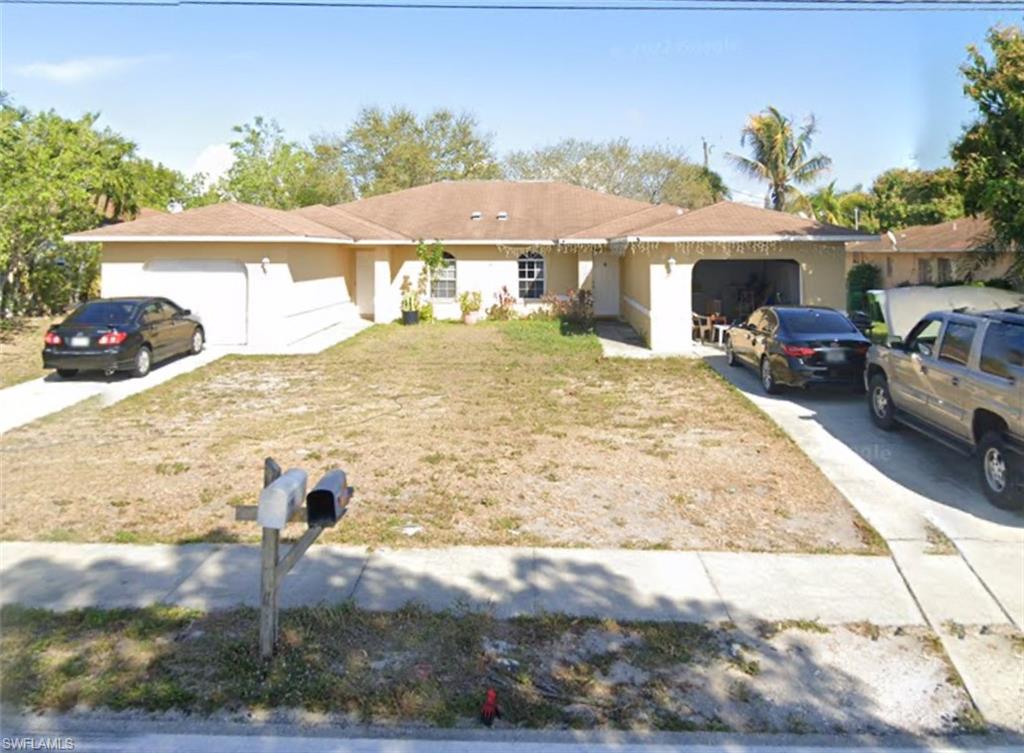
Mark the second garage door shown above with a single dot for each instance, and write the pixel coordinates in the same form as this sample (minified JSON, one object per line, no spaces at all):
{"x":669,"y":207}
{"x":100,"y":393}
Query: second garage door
{"x":215,"y":290}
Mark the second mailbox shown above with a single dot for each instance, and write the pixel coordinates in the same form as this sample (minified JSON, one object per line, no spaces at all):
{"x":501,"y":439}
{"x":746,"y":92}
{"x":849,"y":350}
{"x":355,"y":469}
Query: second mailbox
{"x":325,"y":504}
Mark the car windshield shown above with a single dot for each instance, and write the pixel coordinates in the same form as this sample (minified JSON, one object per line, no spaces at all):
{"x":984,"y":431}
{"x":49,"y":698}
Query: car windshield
{"x":103,"y":312}
{"x":815,"y":322}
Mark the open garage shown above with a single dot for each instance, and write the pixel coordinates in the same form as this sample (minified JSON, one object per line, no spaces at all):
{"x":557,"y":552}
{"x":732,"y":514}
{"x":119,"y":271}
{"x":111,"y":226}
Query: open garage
{"x":733,"y":288}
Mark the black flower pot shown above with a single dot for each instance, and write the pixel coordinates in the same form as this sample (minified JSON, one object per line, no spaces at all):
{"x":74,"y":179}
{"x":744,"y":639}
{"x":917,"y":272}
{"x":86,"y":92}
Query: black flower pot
{"x":410,"y":317}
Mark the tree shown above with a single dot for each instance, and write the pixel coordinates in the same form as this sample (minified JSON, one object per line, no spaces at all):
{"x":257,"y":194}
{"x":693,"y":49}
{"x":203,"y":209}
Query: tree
{"x":387,"y":151}
{"x":844,"y":208}
{"x":916,"y":197}
{"x":158,"y":186}
{"x":990,"y":154}
{"x":271,"y":171}
{"x":59,"y":176}
{"x":780,"y":156}
{"x":654,"y":174}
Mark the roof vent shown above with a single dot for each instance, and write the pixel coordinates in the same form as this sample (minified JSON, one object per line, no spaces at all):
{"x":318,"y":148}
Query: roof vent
{"x":503,"y":216}
{"x":476,"y":215}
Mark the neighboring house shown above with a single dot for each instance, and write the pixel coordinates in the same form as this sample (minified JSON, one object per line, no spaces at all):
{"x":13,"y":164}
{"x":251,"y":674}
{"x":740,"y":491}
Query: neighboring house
{"x":929,"y":254}
{"x":267,"y":277}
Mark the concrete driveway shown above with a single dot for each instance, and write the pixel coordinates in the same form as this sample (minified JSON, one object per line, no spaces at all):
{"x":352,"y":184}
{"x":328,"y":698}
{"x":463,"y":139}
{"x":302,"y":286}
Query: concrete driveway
{"x":900,"y":481}
{"x":903,"y":484}
{"x":28,"y":401}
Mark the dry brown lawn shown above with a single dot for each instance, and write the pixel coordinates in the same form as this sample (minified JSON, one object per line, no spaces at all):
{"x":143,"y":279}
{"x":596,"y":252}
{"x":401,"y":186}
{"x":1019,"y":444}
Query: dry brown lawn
{"x":510,"y":434}
{"x":21,"y":345}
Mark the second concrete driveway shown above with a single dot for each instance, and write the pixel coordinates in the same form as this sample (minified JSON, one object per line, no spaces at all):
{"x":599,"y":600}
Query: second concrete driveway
{"x":901,"y":482}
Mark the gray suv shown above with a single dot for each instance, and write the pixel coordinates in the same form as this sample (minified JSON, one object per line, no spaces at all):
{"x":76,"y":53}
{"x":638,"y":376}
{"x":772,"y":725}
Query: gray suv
{"x":959,"y":378}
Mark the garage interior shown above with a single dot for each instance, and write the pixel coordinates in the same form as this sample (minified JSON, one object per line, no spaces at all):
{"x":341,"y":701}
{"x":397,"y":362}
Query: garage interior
{"x":733,"y":288}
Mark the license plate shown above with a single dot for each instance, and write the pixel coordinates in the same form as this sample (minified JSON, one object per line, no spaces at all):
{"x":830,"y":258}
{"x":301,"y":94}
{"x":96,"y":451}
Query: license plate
{"x":79,"y":342}
{"x":835,"y":356}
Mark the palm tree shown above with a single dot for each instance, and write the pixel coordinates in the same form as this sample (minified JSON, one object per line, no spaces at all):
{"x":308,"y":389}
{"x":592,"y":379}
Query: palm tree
{"x":827,"y":205}
{"x":780,"y":156}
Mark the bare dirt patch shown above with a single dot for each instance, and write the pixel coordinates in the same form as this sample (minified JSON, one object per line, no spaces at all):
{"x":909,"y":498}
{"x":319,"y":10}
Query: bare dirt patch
{"x":21,"y":347}
{"x":495,"y":434}
{"x":348,"y":666}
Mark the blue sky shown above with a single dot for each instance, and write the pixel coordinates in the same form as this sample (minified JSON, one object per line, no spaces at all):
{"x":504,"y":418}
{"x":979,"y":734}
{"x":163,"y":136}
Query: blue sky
{"x":884,"y":86}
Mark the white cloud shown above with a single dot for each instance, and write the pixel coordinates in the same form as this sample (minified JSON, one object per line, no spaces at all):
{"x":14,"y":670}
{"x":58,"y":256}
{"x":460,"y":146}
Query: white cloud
{"x":81,"y":69}
{"x":213,"y":162}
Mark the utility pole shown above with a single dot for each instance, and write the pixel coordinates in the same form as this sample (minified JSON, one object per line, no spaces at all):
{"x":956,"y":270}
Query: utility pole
{"x":707,"y":150}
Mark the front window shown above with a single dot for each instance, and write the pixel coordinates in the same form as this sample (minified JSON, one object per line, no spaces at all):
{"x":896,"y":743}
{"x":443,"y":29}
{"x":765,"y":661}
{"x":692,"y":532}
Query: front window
{"x":531,"y":276}
{"x":922,"y":338}
{"x":924,"y":271}
{"x":442,"y":281}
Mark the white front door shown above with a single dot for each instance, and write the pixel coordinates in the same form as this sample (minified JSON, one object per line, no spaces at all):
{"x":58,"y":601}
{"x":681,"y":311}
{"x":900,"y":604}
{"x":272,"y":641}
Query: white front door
{"x":364,"y":282}
{"x":606,"y":285}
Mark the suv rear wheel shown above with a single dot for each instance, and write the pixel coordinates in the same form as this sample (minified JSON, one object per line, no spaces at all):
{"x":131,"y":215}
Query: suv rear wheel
{"x":883,"y":412}
{"x":1000,"y":469}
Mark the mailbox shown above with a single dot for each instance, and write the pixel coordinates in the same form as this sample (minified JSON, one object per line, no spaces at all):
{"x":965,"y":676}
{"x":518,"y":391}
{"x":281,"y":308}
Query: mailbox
{"x":325,"y":505}
{"x":280,"y":500}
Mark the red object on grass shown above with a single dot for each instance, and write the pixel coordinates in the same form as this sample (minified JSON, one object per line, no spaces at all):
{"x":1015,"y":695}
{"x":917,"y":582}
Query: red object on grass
{"x":490,"y":711}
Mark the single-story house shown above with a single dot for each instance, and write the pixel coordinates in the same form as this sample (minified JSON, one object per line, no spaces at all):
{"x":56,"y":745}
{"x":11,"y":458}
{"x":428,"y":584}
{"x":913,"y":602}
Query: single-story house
{"x":267,"y":278}
{"x":927,"y":254}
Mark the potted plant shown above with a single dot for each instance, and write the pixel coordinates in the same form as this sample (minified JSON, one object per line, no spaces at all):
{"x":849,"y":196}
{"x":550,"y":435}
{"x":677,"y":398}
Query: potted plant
{"x":410,"y":302}
{"x":470,"y":302}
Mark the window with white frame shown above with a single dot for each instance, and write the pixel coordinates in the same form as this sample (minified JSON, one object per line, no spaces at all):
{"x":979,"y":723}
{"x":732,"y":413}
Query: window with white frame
{"x":531,"y":275}
{"x":442,"y":281}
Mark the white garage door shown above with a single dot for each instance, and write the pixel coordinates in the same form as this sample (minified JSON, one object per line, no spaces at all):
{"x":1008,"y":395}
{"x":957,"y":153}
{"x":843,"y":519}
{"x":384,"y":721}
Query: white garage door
{"x":217,"y":291}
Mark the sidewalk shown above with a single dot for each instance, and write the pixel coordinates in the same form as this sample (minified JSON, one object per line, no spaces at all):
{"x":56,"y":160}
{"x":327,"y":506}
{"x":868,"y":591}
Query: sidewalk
{"x":620,"y":584}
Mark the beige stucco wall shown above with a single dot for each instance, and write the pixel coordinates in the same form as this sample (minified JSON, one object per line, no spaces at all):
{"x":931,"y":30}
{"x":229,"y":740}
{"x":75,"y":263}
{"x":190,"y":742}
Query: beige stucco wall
{"x":483,"y":268}
{"x":636,"y":292}
{"x":902,"y":267}
{"x":302,"y":288}
{"x":657,"y":283}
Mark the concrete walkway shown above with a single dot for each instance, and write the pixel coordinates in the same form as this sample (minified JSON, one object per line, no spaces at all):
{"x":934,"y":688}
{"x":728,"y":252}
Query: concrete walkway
{"x":622,"y":584}
{"x":904,"y":485}
{"x":26,"y":402}
{"x":619,"y":340}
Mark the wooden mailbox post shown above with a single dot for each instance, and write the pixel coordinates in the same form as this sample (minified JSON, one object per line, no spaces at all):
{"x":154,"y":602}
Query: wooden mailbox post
{"x":281,"y":502}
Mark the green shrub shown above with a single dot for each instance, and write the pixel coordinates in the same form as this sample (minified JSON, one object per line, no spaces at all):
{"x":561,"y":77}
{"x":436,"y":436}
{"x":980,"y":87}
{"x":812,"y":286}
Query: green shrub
{"x":861,"y":278}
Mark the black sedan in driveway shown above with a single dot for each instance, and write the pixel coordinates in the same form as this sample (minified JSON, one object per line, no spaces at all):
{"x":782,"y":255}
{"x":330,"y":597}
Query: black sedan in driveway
{"x":121,"y":334}
{"x":799,"y":346}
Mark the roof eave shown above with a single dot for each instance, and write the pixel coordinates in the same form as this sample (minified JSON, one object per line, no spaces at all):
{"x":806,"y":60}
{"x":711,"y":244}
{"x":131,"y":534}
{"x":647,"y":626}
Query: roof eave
{"x":77,"y":238}
{"x":740,"y":238}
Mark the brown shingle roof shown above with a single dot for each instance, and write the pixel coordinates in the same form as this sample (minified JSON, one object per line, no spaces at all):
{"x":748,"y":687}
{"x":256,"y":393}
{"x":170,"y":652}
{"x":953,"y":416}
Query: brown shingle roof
{"x":625,"y":225}
{"x":537,"y":210}
{"x":729,"y":219}
{"x":345,"y":222}
{"x":227,"y":220}
{"x":964,"y":234}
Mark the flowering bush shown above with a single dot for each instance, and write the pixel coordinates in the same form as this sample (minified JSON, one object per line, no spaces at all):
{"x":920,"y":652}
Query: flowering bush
{"x":504,"y":307}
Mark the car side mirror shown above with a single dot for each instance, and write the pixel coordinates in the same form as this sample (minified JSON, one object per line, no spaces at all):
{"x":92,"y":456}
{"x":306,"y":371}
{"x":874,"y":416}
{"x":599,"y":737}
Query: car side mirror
{"x":186,"y":312}
{"x":924,"y":349}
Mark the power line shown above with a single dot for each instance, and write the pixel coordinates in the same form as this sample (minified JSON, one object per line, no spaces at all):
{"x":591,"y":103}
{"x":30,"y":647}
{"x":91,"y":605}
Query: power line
{"x":661,"y":6}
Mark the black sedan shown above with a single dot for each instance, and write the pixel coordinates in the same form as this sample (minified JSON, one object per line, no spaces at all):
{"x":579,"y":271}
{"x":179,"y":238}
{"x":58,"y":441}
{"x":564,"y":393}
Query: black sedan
{"x":121,"y":334}
{"x":799,"y":346}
